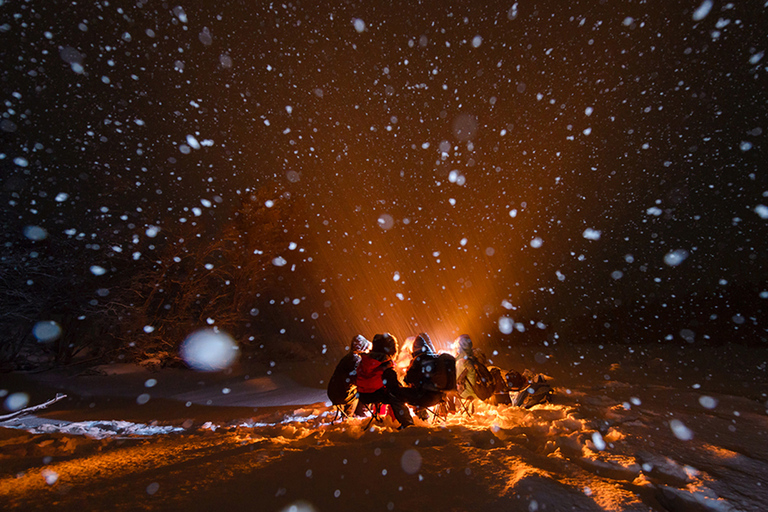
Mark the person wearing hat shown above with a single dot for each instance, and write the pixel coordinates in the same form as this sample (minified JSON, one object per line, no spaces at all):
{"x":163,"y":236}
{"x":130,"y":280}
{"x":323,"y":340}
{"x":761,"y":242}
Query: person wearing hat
{"x":377,"y":381}
{"x":422,"y":394}
{"x":474,"y":380}
{"x":342,"y":387}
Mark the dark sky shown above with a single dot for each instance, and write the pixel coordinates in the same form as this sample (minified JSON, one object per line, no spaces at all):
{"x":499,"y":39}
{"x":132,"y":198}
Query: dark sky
{"x":457,"y":163}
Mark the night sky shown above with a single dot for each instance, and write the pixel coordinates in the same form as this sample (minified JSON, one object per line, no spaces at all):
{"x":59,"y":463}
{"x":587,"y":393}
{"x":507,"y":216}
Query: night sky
{"x":510,"y":169}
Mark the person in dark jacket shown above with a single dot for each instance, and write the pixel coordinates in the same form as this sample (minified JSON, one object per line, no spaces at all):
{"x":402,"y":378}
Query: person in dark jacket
{"x":342,"y":387}
{"x":377,"y":381}
{"x":421,"y":395}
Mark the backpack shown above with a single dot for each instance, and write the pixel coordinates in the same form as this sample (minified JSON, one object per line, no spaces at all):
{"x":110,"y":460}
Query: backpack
{"x":439,"y":372}
{"x":538,"y":392}
{"x":497,"y":377}
{"x":515,"y":380}
{"x":483,"y":385}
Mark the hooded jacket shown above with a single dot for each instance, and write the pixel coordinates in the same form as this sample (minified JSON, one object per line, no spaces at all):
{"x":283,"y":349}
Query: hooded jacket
{"x":341,"y":386}
{"x":467,"y":358}
{"x":422,"y":351}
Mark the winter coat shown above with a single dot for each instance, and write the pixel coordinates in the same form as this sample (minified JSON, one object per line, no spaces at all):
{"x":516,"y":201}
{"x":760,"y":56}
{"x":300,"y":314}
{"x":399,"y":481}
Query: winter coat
{"x":462,"y":365}
{"x":377,"y":382}
{"x":341,"y":386}
{"x":414,"y":377}
{"x":376,"y":371}
{"x":417,"y":394}
{"x":466,"y":359}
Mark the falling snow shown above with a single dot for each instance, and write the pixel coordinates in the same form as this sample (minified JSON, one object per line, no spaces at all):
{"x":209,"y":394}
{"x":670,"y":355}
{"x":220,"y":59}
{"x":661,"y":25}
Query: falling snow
{"x":232,"y":192}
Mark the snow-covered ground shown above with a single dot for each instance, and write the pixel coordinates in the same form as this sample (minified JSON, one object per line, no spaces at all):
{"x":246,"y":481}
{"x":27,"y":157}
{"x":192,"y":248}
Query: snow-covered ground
{"x":631,"y":428}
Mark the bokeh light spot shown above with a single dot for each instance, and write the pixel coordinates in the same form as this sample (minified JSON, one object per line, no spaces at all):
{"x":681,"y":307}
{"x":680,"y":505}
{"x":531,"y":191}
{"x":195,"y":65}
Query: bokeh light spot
{"x":208,"y":350}
{"x":46,"y":331}
{"x":411,"y":461}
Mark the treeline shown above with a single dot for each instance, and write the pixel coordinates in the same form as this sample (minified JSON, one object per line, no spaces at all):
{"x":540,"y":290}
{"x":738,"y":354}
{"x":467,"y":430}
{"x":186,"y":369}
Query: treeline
{"x":138,"y":303}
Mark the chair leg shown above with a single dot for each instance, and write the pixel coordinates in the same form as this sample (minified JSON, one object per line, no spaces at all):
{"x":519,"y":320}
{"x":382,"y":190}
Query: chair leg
{"x":435,"y":416}
{"x":374,"y":410}
{"x":441,"y":410}
{"x":340,"y":414}
{"x":466,"y":406}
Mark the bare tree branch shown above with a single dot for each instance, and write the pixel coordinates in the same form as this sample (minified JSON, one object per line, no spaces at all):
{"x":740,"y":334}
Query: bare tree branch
{"x":29,"y":410}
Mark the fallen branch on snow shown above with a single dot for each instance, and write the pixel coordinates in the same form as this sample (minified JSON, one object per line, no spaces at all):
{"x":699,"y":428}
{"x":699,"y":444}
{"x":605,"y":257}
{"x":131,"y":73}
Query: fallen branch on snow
{"x":34,"y":408}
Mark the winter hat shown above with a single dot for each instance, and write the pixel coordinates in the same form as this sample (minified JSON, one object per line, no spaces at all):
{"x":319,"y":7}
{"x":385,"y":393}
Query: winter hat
{"x":464,"y":342}
{"x":360,"y":344}
{"x":422,"y":344}
{"x":385,"y":344}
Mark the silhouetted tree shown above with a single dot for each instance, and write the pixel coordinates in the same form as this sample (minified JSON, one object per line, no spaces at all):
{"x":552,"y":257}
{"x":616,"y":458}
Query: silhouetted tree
{"x":200,"y":279}
{"x":45,"y":282}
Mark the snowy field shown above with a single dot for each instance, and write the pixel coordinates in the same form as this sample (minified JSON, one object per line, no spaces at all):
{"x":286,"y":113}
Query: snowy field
{"x":631,"y":428}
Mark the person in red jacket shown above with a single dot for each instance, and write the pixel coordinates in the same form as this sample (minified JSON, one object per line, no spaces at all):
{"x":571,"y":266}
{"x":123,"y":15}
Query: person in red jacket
{"x":377,"y":381}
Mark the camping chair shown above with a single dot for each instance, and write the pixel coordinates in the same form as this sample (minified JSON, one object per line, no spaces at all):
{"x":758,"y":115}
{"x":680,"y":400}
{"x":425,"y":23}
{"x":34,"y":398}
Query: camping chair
{"x":439,"y":411}
{"x":346,"y":408}
{"x":462,"y":405}
{"x":340,"y":413}
{"x":375,"y":408}
{"x":431,"y":414}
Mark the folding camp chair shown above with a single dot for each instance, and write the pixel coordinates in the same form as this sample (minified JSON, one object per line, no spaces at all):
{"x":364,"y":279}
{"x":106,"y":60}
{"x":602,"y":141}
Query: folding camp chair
{"x":440,"y":411}
{"x":340,"y":413}
{"x":461,"y":405}
{"x":375,"y":410}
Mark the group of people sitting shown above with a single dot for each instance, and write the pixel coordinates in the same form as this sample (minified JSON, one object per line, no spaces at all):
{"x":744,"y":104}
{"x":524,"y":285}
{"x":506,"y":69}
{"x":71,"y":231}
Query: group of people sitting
{"x":367,"y":378}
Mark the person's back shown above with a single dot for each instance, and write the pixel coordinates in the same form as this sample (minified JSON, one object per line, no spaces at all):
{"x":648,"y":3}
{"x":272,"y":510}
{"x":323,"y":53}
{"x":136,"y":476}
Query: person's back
{"x":371,"y":371}
{"x":377,"y":380}
{"x":421,"y":374}
{"x":343,"y":378}
{"x":473,"y":378}
{"x":416,"y":374}
{"x":342,"y":386}
{"x":422,"y":352}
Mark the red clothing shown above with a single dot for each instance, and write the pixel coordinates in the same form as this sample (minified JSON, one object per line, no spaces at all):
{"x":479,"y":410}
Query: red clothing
{"x":370,"y":373}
